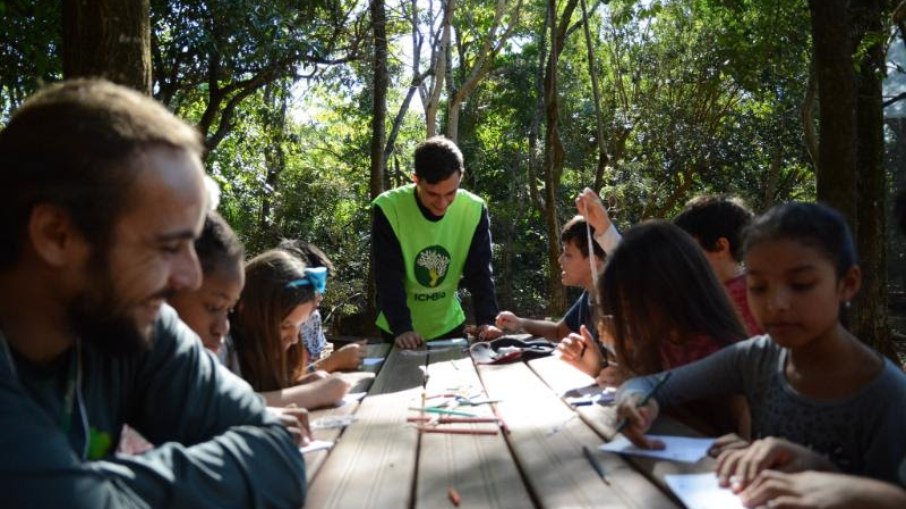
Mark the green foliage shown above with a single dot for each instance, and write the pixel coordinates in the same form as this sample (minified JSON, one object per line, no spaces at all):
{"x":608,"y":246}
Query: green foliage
{"x":30,"y":35}
{"x":697,"y":96}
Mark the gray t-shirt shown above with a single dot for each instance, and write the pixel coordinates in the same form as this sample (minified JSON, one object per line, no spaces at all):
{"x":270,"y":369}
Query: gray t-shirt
{"x":862,"y":434}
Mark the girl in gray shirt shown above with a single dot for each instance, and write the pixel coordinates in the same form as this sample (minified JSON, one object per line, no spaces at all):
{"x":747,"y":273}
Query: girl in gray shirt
{"x":808,"y":380}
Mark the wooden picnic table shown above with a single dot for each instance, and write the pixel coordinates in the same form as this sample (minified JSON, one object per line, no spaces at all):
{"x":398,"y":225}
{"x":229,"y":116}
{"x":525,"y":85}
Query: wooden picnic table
{"x":383,"y":461}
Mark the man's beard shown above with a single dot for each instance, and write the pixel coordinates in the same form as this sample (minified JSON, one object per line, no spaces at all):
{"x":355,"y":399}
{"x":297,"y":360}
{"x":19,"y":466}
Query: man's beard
{"x":99,"y":317}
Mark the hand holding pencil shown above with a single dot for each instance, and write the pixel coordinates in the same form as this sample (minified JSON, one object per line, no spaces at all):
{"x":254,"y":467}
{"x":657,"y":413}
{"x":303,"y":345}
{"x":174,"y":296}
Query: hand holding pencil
{"x":637,"y":412}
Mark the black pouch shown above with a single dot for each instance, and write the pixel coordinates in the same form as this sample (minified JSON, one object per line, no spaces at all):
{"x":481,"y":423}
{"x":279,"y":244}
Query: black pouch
{"x":511,"y":348}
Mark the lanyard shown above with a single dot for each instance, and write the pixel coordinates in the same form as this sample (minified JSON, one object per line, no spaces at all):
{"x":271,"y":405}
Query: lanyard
{"x":72,"y":398}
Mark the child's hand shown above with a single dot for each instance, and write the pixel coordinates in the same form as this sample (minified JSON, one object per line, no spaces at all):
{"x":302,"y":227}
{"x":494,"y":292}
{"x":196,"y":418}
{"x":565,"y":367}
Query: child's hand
{"x":579,"y":350}
{"x":409,"y":340}
{"x":347,"y":358}
{"x":509,"y":322}
{"x":612,"y":376}
{"x":295,"y":420}
{"x":487,"y":332}
{"x":820,"y":490}
{"x":738,"y":468}
{"x":638,"y":420}
{"x":728,"y":442}
{"x":592,"y":208}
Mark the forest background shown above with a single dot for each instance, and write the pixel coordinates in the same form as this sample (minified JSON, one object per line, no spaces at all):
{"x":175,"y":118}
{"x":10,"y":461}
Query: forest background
{"x":311,"y":108}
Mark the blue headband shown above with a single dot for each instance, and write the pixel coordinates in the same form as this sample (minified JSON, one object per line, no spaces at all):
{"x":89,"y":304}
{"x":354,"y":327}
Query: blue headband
{"x":315,"y":278}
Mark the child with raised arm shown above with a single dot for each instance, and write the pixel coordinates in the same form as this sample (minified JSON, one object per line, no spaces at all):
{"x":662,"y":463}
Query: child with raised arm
{"x":575,"y":271}
{"x":280,"y":294}
{"x":661,"y":307}
{"x":808,"y":380}
{"x":348,"y":357}
{"x":717,"y":223}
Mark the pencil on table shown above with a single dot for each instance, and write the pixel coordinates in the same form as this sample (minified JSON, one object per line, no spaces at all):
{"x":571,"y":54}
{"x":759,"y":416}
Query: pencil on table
{"x":457,"y":431}
{"x":454,"y":496}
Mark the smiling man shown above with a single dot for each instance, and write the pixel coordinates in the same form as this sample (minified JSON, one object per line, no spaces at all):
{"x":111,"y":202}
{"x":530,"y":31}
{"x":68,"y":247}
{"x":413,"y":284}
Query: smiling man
{"x":101,"y":197}
{"x":426,"y":236}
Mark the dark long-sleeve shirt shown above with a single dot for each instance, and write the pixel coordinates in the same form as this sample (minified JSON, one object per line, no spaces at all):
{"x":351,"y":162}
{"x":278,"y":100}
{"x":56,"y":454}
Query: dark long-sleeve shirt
{"x":220,"y":447}
{"x":478,"y":275}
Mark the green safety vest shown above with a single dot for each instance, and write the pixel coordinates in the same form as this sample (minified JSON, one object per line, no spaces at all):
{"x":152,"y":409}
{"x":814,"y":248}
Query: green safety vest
{"x":434,"y":254}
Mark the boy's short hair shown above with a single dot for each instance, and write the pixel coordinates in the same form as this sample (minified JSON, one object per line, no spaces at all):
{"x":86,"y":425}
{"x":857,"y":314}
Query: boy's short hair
{"x":71,"y":145}
{"x":436,"y":159}
{"x":575,"y":232}
{"x":710,"y":217}
{"x":308,"y":253}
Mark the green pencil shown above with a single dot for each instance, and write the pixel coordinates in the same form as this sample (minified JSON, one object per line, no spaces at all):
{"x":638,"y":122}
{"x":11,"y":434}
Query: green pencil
{"x":444,"y":411}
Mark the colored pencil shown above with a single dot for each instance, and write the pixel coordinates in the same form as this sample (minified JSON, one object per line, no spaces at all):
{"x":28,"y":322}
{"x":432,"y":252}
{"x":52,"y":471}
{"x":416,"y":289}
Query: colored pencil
{"x":451,"y":420}
{"x":595,"y":464}
{"x":457,"y":431}
{"x":433,"y":410}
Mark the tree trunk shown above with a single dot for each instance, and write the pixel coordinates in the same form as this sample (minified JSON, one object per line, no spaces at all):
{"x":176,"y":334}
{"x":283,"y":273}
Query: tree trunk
{"x":603,"y":158}
{"x":378,"y":133}
{"x":554,"y":155}
{"x":836,"y":91}
{"x":869,"y":320}
{"x":439,"y":65}
{"x":109,"y":39}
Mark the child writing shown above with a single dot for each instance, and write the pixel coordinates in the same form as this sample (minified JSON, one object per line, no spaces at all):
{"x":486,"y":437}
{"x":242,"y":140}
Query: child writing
{"x":280,"y":294}
{"x":808,"y":380}
{"x":575,"y":271}
{"x":717,"y":223}
{"x":347,"y":358}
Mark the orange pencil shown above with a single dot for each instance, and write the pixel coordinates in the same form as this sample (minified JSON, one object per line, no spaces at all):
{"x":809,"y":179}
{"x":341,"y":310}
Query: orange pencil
{"x":457,"y":431}
{"x":454,"y":496}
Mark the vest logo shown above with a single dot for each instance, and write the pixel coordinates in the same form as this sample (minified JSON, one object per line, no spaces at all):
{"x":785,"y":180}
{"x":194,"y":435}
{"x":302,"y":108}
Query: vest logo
{"x":431,"y":266}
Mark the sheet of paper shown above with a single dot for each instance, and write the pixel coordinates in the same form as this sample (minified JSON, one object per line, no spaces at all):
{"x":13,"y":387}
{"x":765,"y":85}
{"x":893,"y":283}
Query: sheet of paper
{"x":446,"y":343}
{"x":316,"y":445}
{"x":351,"y":397}
{"x":682,"y":449}
{"x":336,"y":421}
{"x":371,"y":361}
{"x":701,"y":491}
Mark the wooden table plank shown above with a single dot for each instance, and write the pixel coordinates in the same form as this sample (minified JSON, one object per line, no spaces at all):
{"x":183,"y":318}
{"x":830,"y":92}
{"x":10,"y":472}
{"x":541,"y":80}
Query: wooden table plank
{"x":479,"y":467}
{"x":547,"y":438}
{"x":373,"y":463}
{"x":561,"y":377}
{"x":359,"y":381}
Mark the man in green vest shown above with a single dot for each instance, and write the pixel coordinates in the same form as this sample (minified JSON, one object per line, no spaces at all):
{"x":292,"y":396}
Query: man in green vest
{"x":425,"y":237}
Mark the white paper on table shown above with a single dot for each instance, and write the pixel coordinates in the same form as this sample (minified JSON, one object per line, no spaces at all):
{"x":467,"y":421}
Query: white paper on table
{"x":352,"y":397}
{"x":334,"y":421}
{"x":316,"y":445}
{"x":701,"y":491}
{"x":446,"y":343}
{"x":682,"y":449}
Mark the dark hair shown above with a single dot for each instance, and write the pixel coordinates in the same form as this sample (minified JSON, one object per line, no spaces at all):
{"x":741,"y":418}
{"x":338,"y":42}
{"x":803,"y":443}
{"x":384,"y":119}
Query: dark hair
{"x":309,"y":253}
{"x":575,"y":232}
{"x":436,"y":159}
{"x":813,"y":224}
{"x":710,"y":217}
{"x":657,"y":284}
{"x":265,"y":302}
{"x":218,"y":246}
{"x":71,"y":145}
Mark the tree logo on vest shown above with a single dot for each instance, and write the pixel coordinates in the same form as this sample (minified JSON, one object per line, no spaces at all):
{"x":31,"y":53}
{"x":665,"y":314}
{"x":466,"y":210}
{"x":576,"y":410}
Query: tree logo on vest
{"x":431,"y":266}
